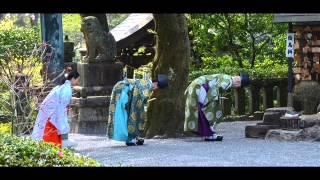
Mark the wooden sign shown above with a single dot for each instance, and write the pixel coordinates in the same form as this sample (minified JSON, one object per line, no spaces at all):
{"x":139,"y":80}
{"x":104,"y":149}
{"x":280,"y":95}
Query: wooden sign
{"x":307,"y":29}
{"x":298,"y":34}
{"x":316,"y":43}
{"x":296,"y":45}
{"x":317,"y":66}
{"x":298,"y":77}
{"x":296,"y":70}
{"x":297,"y":58}
{"x":315,"y":50}
{"x":306,"y":49}
{"x":290,"y":45}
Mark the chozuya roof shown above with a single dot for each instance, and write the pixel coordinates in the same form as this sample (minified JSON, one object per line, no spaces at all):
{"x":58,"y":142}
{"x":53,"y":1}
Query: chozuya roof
{"x":130,"y":25}
{"x":278,"y":18}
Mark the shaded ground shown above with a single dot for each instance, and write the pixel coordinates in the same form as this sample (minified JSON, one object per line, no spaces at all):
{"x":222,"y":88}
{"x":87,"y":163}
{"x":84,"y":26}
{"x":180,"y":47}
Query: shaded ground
{"x":234,"y":150}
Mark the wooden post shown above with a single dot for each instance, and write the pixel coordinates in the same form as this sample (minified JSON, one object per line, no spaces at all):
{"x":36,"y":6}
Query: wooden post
{"x":51,"y":33}
{"x":226,"y":105}
{"x":267,"y":96}
{"x":290,"y":75}
{"x":254,"y":99}
{"x":282,"y":93}
{"x":239,"y":100}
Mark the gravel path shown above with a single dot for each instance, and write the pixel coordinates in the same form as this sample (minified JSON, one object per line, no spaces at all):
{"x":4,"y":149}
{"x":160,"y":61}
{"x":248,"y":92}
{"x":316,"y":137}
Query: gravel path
{"x":234,"y":150}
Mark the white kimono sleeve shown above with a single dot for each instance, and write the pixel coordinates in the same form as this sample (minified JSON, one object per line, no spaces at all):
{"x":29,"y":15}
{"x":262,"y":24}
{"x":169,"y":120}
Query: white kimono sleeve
{"x":202,"y":94}
{"x":60,"y":120}
{"x":46,"y":110}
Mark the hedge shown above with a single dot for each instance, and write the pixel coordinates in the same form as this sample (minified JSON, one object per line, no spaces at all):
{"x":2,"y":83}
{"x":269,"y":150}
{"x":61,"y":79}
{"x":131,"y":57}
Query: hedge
{"x":25,"y":152}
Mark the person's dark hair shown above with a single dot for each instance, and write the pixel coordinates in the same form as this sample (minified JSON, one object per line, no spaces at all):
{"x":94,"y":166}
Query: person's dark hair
{"x":73,"y":74}
{"x":70,"y":75}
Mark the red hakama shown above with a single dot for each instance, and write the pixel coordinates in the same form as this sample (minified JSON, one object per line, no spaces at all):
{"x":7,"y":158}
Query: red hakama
{"x":51,"y":134}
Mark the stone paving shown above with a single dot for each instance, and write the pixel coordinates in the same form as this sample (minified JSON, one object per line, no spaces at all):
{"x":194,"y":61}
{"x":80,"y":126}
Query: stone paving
{"x":234,"y":150}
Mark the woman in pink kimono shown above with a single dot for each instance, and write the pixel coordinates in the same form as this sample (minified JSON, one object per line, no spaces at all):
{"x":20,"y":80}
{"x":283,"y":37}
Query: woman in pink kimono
{"x":52,"y":119}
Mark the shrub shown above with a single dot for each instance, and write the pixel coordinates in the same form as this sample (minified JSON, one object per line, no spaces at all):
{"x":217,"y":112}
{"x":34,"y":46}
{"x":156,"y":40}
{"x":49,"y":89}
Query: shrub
{"x":20,"y":40}
{"x":306,"y":96}
{"x":5,"y":128}
{"x":25,"y":152}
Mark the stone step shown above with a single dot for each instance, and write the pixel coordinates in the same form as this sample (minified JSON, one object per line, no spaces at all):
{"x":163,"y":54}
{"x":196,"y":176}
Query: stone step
{"x":309,"y":120}
{"x":282,"y":110}
{"x":258,"y":115}
{"x":283,"y":135}
{"x":258,"y":131}
{"x":272,"y":118}
{"x":232,"y":118}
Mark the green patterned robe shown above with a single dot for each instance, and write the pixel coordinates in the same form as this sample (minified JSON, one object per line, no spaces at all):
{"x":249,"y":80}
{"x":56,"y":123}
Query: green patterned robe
{"x":138,"y":97}
{"x":212,"y":110}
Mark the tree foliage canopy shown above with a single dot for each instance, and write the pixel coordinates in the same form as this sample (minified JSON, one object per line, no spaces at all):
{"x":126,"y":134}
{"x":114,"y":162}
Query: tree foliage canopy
{"x":241,"y":40}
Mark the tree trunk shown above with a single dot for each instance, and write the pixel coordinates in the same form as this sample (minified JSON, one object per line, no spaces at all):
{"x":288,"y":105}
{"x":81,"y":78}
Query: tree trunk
{"x":165,"y":115}
{"x":253,"y":48}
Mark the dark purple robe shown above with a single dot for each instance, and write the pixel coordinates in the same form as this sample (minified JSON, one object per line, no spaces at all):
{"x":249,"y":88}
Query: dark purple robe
{"x":203,"y":123}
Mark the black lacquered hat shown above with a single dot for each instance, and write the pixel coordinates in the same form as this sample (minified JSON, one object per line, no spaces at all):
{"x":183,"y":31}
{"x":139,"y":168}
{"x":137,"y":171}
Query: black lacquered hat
{"x":245,"y":80}
{"x":162,"y":81}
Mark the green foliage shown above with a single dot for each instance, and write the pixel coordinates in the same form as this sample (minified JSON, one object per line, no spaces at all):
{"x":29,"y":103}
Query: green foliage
{"x":115,"y":19}
{"x":71,"y":24}
{"x":16,"y":47}
{"x":71,"y":27}
{"x":5,"y":98}
{"x":230,"y":43}
{"x":18,"y":54}
{"x":5,"y":128}
{"x":25,"y":152}
{"x":244,"y":37}
{"x":18,"y":39}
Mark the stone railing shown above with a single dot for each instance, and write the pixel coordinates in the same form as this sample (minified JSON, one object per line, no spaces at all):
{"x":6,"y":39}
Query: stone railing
{"x":247,"y":101}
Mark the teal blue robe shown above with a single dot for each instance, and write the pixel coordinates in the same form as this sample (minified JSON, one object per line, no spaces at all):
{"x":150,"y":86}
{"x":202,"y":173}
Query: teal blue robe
{"x":138,"y":94}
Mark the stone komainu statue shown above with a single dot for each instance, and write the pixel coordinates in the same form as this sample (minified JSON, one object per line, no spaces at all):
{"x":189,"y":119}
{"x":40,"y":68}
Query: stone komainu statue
{"x":101,"y":45}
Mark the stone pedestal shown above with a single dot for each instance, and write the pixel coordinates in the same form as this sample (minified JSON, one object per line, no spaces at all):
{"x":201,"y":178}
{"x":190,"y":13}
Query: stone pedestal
{"x":89,"y":112}
{"x":89,"y":115}
{"x":98,"y":79}
{"x":271,"y":120}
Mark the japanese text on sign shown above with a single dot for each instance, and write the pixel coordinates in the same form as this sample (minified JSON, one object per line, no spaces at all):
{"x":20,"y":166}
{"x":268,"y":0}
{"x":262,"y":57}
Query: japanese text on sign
{"x":290,"y":45}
